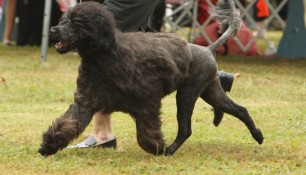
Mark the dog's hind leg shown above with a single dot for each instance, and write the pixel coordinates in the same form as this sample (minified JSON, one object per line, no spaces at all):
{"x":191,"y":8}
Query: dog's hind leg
{"x":185,"y":104}
{"x":218,"y":116}
{"x":215,"y":96}
{"x":226,"y":80}
{"x":65,"y":129}
{"x":149,"y":134}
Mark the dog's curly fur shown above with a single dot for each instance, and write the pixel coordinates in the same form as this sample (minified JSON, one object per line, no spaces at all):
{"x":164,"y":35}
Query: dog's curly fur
{"x":132,"y":72}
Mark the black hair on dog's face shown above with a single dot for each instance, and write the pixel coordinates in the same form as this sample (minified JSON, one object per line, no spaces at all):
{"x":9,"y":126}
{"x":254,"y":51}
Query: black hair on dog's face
{"x":86,"y":25}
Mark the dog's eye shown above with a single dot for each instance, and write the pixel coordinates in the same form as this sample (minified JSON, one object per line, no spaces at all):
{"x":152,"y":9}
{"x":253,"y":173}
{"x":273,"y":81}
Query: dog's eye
{"x":64,"y":19}
{"x":64,"y":15}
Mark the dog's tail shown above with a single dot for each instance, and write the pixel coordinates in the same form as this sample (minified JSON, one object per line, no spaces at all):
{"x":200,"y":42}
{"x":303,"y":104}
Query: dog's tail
{"x":229,"y":19}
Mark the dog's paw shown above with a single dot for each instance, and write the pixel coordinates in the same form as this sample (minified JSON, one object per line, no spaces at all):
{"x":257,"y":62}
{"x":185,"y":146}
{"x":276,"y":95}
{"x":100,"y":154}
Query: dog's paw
{"x":169,"y":151}
{"x":52,"y":142}
{"x":257,"y":135}
{"x":218,"y":116}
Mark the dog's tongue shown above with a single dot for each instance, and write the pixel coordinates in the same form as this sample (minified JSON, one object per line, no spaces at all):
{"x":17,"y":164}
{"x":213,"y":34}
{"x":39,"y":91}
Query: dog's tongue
{"x":58,"y":45}
{"x":62,"y":44}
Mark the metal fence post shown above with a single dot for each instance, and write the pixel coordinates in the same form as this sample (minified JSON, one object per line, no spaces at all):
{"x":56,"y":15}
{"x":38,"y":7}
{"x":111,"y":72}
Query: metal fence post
{"x":45,"y":33}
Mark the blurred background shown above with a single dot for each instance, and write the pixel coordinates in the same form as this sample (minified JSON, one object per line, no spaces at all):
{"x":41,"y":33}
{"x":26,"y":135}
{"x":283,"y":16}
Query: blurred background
{"x":265,"y":22}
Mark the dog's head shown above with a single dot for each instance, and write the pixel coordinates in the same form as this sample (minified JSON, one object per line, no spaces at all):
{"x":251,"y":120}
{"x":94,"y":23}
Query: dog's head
{"x":87,"y":25}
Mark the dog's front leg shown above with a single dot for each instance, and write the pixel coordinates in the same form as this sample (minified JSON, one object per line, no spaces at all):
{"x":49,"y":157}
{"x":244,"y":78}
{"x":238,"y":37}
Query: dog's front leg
{"x":66,"y":128}
{"x":185,"y":102}
{"x":149,"y":134}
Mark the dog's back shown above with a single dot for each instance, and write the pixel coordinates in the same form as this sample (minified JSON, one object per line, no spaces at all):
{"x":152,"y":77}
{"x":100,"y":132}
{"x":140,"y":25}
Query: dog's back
{"x":155,"y":46}
{"x":165,"y":55}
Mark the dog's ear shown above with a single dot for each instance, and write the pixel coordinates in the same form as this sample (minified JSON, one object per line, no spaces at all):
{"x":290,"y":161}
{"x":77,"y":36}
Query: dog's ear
{"x":94,"y":24}
{"x":104,"y":22}
{"x":107,"y":36}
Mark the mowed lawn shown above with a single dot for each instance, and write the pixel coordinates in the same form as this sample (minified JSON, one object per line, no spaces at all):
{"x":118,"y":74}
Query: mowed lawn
{"x":33,"y":94}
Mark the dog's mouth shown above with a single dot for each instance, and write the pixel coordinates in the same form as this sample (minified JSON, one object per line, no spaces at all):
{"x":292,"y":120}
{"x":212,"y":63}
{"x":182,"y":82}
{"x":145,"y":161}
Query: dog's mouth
{"x":65,"y":46}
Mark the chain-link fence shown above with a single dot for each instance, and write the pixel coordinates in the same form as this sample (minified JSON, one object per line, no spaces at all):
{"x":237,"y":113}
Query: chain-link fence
{"x":183,"y":15}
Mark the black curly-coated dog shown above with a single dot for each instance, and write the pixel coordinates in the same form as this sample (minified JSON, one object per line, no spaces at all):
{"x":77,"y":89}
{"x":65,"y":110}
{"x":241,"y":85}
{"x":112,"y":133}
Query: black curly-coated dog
{"x":132,"y":72}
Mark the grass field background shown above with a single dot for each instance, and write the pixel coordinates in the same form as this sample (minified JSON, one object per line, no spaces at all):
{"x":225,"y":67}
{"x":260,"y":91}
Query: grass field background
{"x":33,"y":94}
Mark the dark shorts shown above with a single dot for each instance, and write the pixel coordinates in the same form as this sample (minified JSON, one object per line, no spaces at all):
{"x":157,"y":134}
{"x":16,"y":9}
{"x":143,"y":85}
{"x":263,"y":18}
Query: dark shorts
{"x":130,"y":15}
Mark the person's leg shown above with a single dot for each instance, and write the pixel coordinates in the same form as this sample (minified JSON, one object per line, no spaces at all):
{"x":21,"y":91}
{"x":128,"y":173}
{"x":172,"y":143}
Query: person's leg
{"x":10,"y":10}
{"x":101,"y":135}
{"x":102,"y":130}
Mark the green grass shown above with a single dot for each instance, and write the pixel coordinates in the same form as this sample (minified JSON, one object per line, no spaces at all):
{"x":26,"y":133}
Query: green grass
{"x":33,"y":94}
